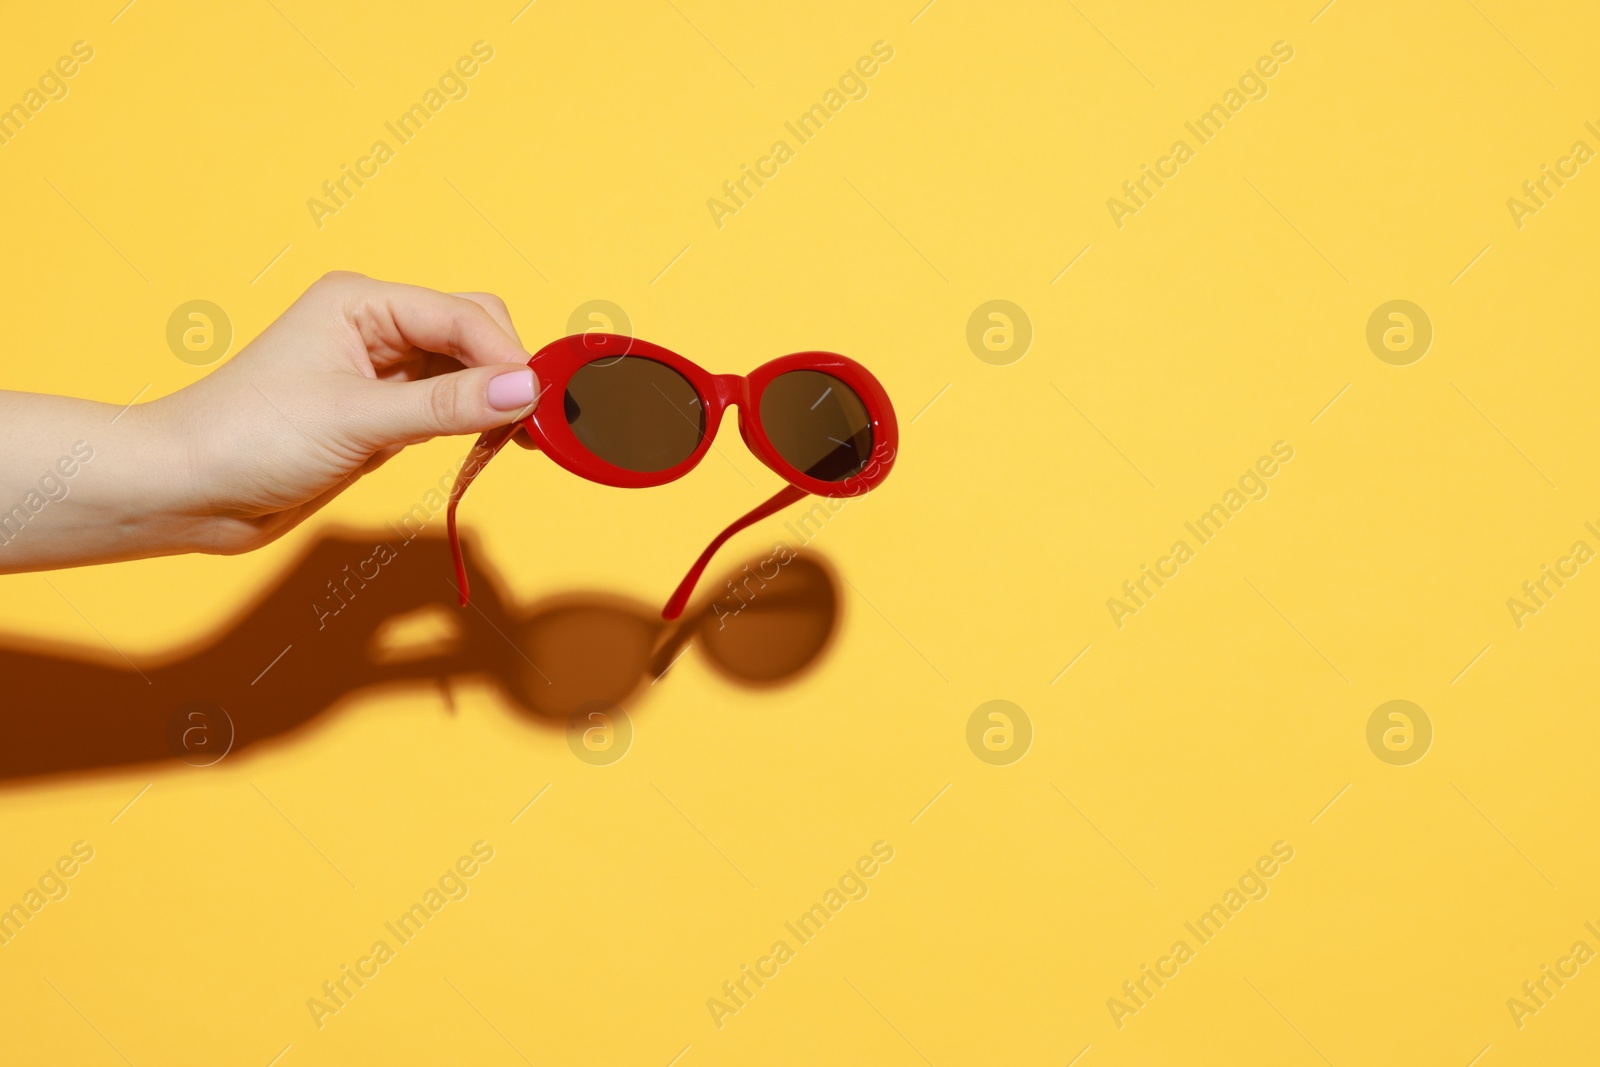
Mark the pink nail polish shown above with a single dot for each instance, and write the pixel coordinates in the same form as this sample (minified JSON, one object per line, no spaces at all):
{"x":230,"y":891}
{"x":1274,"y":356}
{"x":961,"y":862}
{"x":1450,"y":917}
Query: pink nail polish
{"x":511,"y":392}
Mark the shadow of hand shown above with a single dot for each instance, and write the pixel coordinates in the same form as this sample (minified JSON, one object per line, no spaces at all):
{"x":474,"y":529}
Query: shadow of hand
{"x":364,"y":609}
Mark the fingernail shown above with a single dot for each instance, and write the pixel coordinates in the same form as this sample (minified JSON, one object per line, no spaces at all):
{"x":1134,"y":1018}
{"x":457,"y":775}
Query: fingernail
{"x":512,"y":392}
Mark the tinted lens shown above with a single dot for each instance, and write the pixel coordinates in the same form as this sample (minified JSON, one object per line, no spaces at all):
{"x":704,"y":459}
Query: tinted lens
{"x":635,"y":413}
{"x":817,"y":423}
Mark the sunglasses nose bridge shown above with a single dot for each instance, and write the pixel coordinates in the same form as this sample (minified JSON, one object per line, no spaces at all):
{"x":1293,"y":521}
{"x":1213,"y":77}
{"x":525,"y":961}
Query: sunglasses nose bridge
{"x":730,"y":389}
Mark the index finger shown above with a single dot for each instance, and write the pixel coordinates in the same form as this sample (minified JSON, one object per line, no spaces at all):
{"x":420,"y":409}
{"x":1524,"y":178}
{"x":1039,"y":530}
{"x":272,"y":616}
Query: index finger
{"x":393,"y":319}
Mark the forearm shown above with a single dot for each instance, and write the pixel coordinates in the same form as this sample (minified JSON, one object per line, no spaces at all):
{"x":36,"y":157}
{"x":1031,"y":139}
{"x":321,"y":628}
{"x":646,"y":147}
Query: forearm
{"x":83,"y":482}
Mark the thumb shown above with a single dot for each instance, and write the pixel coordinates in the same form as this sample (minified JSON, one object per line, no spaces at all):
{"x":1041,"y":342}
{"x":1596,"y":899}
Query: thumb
{"x":461,"y":402}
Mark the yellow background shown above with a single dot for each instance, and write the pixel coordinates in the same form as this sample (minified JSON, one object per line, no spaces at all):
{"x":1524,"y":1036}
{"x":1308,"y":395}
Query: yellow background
{"x":1225,"y":716}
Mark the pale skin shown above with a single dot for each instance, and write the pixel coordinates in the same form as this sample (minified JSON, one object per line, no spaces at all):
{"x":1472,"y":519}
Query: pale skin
{"x":352,"y":372}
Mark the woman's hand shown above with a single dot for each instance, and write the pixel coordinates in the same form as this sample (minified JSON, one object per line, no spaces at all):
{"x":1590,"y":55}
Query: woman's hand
{"x":353,"y":371}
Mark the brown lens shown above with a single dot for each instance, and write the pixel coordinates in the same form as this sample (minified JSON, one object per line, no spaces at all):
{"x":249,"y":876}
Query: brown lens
{"x":817,"y":423}
{"x":635,"y":413}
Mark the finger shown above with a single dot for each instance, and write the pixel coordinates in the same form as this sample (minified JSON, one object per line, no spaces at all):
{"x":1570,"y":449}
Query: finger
{"x":467,"y":401}
{"x":501,"y":314}
{"x":416,"y":364}
{"x":394,"y":319}
{"x":496,"y":308}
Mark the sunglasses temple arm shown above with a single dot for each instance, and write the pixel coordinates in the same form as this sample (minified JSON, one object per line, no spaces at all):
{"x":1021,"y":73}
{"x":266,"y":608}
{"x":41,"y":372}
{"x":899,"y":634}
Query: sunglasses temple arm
{"x":487,"y":446}
{"x":680,"y":598}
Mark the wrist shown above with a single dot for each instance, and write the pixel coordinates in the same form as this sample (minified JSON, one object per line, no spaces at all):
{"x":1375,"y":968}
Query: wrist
{"x":84,"y":482}
{"x":160,"y":503}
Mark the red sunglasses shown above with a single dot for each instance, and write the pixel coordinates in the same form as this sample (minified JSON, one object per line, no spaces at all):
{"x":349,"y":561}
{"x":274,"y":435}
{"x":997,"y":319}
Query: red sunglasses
{"x":624,"y":412}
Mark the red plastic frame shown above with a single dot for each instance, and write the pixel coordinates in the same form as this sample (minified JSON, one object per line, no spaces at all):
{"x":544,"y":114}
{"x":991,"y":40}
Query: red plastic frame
{"x":547,"y":427}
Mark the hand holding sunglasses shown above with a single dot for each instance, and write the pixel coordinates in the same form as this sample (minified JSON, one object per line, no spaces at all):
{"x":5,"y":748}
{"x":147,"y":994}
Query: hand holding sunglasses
{"x":624,"y":412}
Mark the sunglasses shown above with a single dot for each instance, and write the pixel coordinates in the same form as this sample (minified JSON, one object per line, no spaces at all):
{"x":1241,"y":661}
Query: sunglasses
{"x":624,"y":412}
